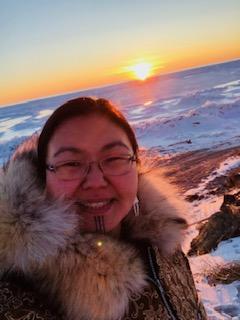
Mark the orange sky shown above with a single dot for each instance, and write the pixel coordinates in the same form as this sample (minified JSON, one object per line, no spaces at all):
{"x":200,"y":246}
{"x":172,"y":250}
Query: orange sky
{"x":68,"y":46}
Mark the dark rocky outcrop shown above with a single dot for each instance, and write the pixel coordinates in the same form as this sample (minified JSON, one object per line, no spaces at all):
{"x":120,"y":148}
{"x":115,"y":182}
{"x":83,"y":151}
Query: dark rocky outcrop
{"x":225,"y":274}
{"x":222,"y":225}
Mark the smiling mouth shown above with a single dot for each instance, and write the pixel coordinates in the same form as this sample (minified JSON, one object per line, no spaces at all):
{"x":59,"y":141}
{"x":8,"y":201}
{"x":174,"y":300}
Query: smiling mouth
{"x":95,"y":206}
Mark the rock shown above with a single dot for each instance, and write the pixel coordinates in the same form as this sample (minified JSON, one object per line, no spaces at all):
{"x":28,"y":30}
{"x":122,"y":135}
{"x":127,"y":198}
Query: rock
{"x":222,"y":225}
{"x":218,"y":185}
{"x":225,"y":274}
{"x":234,"y":179}
{"x":194,"y":197}
{"x":231,"y":199}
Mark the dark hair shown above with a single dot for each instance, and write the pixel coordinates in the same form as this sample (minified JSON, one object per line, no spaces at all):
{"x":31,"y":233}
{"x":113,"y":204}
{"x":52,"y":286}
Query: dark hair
{"x":80,"y":107}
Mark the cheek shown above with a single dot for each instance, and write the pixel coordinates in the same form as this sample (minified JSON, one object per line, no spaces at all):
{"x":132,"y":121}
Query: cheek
{"x":128,"y":188}
{"x":56,"y":188}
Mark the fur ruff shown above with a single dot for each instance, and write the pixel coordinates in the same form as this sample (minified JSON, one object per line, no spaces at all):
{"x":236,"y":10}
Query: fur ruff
{"x":89,"y":276}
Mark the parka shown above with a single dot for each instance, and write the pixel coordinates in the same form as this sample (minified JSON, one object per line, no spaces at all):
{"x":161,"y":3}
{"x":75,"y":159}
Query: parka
{"x":50,"y":270}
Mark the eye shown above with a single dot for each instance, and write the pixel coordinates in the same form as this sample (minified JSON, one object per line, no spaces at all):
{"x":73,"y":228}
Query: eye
{"x":115,"y":159}
{"x":71,"y":164}
{"x":115,"y":162}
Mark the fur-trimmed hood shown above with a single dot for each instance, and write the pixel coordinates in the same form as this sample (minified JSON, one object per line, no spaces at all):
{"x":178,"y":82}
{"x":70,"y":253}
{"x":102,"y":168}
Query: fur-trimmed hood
{"x":91,"y":276}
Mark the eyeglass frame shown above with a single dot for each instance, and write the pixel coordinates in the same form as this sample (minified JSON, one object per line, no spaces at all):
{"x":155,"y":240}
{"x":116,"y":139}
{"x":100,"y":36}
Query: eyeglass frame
{"x":54,"y":168}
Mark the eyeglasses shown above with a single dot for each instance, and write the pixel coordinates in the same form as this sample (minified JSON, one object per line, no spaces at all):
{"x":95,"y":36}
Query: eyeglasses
{"x":77,"y":170}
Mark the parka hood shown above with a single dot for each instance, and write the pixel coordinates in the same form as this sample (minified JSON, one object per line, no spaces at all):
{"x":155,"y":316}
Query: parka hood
{"x":41,"y":236}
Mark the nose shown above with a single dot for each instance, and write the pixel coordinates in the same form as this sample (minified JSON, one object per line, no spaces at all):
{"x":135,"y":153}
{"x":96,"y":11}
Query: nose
{"x":94,"y":178}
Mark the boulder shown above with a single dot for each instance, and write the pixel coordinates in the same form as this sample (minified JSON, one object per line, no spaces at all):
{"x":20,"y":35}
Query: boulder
{"x":222,"y":225}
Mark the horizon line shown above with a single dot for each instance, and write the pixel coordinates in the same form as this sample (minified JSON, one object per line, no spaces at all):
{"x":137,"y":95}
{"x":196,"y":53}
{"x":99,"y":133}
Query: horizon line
{"x":115,"y":83}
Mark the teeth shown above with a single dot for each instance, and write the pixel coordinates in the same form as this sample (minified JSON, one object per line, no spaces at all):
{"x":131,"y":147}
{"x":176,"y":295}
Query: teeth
{"x":95,"y":205}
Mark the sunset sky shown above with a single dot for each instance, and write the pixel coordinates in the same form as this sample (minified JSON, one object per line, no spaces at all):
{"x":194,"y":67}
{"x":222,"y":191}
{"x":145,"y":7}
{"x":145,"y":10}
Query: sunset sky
{"x":50,"y":47}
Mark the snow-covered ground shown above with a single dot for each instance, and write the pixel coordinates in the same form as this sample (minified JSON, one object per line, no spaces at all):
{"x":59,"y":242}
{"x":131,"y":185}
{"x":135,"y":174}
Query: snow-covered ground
{"x":220,"y":301}
{"x":188,"y":110}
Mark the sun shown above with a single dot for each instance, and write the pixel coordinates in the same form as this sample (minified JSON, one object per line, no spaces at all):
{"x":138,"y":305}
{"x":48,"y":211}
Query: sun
{"x":142,"y":70}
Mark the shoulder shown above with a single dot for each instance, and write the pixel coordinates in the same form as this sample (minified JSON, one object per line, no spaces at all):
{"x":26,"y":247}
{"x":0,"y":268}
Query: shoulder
{"x":18,"y":302}
{"x":177,"y":278}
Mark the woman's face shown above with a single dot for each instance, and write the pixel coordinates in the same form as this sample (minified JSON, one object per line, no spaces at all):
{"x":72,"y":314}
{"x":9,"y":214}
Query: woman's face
{"x":101,"y":200}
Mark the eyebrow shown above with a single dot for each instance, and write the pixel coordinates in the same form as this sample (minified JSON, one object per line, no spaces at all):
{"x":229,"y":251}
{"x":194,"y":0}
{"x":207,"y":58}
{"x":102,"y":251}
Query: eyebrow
{"x":67,"y":149}
{"x":114,"y":144}
{"x":108,"y":146}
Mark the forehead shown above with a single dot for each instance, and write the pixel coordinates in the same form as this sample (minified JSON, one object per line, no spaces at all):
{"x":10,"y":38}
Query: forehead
{"x":89,"y":133}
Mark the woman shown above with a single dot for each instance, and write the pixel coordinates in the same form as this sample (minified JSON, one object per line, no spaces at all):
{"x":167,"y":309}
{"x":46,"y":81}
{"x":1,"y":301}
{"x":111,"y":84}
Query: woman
{"x":86,"y":230}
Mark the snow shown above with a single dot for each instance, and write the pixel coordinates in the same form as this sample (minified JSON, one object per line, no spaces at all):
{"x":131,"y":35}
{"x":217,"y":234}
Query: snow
{"x":184,"y":111}
{"x":44,"y":113}
{"x":225,"y":167}
{"x":220,"y":301}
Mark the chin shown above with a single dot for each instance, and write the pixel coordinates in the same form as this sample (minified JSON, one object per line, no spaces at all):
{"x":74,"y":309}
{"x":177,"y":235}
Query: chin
{"x":108,"y":223}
